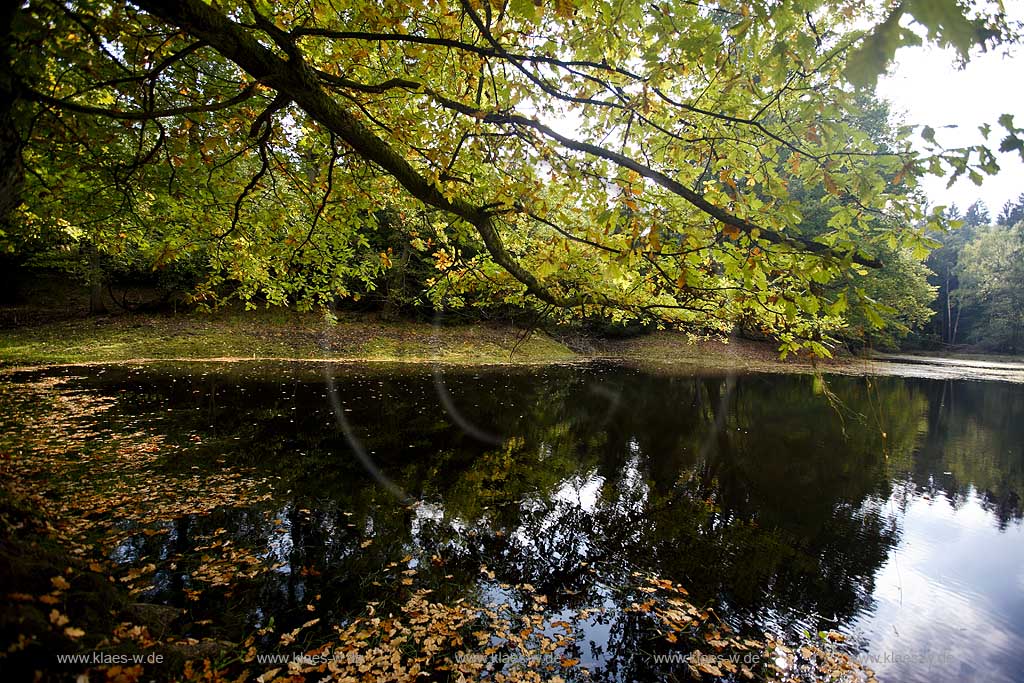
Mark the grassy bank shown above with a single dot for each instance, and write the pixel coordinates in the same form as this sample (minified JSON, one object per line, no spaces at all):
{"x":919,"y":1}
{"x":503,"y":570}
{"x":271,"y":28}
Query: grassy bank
{"x":270,"y":335}
{"x":290,"y":335}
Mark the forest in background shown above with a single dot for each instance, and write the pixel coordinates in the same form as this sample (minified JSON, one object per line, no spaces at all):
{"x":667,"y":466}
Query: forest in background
{"x":978,"y":273}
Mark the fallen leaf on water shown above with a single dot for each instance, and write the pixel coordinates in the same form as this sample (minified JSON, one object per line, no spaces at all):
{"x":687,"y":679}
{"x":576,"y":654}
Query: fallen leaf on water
{"x":709,"y":669}
{"x":268,"y":676}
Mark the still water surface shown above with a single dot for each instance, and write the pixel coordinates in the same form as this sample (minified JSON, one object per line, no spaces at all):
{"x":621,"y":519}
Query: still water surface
{"x":888,"y":509}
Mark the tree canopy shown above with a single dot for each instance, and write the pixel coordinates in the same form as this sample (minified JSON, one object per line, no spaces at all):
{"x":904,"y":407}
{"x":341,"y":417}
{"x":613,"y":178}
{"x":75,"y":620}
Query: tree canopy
{"x":599,"y":157}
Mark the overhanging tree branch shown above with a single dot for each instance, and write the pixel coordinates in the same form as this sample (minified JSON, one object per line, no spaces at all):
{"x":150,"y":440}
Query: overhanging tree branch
{"x":298,"y":81}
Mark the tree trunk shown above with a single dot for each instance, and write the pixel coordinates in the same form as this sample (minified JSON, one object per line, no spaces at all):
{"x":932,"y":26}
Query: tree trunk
{"x":949,"y":312}
{"x":396,"y":284}
{"x":12,"y":174}
{"x":96,"y":304}
{"x":956,"y":325}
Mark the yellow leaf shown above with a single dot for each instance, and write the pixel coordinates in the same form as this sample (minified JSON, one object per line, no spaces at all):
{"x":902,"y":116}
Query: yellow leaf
{"x":268,"y":676}
{"x":73,"y":632}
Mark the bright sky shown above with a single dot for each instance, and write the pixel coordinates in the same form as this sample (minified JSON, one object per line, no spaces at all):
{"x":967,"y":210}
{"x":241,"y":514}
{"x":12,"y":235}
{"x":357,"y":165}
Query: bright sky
{"x":926,"y":88}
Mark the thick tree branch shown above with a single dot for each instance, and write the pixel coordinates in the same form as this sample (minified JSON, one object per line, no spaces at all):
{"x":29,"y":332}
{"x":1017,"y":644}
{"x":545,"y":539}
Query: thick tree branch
{"x":300,"y":83}
{"x":665,"y":181}
{"x":677,"y":188}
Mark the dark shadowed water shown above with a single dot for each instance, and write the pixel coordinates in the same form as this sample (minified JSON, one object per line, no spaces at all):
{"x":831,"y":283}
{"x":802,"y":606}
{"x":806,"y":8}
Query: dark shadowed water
{"x":888,"y":509}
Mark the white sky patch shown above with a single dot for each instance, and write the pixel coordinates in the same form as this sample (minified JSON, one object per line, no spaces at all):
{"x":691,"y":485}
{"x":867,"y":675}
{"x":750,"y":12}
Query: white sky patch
{"x":926,"y":88}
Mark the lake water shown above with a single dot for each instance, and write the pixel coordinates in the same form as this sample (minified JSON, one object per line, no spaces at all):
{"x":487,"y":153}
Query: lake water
{"x":887,"y":509}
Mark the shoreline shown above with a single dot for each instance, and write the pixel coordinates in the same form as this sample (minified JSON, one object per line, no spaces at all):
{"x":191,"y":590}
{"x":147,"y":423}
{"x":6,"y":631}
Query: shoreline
{"x":292,"y":337}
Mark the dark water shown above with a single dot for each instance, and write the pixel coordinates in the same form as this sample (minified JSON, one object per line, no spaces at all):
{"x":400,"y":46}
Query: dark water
{"x":888,"y":509}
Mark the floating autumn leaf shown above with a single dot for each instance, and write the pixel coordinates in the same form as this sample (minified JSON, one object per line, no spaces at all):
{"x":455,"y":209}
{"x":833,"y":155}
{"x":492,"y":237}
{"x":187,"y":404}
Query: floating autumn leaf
{"x":73,"y":632}
{"x":709,"y":668}
{"x":268,"y":676}
{"x":57,"y":618}
{"x":60,"y":583}
{"x":123,"y":674}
